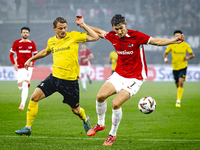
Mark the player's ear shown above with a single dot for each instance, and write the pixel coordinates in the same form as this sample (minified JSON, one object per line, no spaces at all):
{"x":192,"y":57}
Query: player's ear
{"x":54,"y":28}
{"x":125,"y":24}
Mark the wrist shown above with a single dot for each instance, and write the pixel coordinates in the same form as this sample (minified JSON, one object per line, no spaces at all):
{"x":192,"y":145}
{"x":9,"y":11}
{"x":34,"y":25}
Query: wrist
{"x":165,"y":59}
{"x":82,"y":25}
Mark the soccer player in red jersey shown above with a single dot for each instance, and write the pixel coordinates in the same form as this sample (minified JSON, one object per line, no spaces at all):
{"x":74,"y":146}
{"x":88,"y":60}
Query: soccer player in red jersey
{"x":24,"y":49}
{"x":85,"y":56}
{"x":129,"y":74}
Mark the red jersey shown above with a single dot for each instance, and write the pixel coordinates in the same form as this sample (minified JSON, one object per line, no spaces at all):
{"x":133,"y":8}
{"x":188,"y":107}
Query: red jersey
{"x":131,"y":62}
{"x":83,"y":54}
{"x":24,"y":51}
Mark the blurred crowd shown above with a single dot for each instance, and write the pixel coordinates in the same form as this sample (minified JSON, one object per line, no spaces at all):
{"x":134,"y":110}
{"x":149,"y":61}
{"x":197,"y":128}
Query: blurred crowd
{"x":157,"y":18}
{"x":146,"y":15}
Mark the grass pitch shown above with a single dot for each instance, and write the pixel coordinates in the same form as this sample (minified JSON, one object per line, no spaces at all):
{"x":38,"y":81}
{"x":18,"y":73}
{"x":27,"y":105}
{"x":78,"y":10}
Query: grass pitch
{"x":55,"y":127}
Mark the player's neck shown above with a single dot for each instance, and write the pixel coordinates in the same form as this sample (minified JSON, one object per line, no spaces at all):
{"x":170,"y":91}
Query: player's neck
{"x":24,"y":40}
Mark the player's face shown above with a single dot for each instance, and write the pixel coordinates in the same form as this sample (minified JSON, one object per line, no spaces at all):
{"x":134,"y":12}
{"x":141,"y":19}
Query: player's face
{"x":120,"y":29}
{"x":83,"y":46}
{"x":25,"y":34}
{"x":177,"y":35}
{"x":61,"y":30}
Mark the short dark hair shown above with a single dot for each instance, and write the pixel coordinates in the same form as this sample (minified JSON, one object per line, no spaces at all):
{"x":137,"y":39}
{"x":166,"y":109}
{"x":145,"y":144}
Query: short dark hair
{"x":59,"y":19}
{"x":25,"y":28}
{"x":84,"y":43}
{"x":117,"y":19}
{"x":178,"y":31}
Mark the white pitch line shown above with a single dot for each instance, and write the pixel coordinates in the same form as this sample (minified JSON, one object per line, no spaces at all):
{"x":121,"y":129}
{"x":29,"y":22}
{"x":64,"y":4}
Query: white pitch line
{"x":78,"y":138}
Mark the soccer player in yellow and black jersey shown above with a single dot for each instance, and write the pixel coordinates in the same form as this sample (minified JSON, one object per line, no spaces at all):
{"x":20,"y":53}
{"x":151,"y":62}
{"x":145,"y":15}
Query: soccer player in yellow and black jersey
{"x":64,"y":47}
{"x":113,"y":60}
{"x":179,"y":63}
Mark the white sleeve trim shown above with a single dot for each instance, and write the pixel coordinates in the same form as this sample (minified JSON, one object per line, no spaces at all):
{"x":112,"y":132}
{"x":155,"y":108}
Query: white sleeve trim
{"x":149,"y":40}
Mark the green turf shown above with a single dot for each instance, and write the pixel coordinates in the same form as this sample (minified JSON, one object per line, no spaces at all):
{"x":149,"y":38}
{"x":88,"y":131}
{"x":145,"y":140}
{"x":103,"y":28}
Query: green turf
{"x":55,"y":127}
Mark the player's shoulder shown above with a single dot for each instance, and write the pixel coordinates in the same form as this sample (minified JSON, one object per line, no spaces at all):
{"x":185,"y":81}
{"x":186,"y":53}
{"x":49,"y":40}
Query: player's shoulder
{"x":88,"y":50}
{"x":133,"y":32}
{"x":51,"y":38}
{"x":184,"y":43}
{"x":112,"y":52}
{"x":18,"y":41}
{"x":75,"y":33}
{"x":31,"y":41}
{"x":111,"y":33}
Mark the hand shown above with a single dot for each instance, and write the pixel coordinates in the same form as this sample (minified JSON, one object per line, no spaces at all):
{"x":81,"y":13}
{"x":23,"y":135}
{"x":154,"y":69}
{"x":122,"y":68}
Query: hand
{"x":27,"y":64}
{"x":31,"y":64}
{"x":166,"y":60}
{"x":85,"y":60}
{"x":16,"y":66}
{"x":79,"y":20}
{"x":180,"y":38}
{"x":186,"y":57}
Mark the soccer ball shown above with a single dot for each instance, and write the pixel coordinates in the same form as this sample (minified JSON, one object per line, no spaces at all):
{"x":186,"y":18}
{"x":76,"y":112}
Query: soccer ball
{"x":147,"y":105}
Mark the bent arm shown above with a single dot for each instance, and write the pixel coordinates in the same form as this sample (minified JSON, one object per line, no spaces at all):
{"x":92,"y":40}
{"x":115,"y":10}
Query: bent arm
{"x":91,"y":56}
{"x":189,"y":57}
{"x":13,"y":61}
{"x":98,"y":31}
{"x":165,"y":57}
{"x":91,"y":35}
{"x":39,"y":55}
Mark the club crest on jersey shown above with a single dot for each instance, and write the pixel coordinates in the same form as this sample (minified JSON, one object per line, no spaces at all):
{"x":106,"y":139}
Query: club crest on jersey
{"x":130,"y":45}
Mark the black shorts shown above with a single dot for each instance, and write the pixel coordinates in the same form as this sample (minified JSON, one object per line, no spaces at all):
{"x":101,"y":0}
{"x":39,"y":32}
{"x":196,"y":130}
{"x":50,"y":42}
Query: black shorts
{"x":179,"y":74}
{"x":69,"y":89}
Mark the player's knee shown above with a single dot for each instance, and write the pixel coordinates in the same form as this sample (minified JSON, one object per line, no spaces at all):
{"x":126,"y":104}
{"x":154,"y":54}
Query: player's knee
{"x":20,"y":88}
{"x":75,"y":111}
{"x":101,"y":97}
{"x":115,"y":105}
{"x":35,"y":97}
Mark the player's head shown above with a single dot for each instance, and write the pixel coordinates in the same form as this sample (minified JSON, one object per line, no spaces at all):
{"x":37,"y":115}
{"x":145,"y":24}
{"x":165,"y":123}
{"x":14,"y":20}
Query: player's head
{"x":25,"y":32}
{"x":119,"y":25}
{"x":177,"y":33}
{"x":60,"y":26}
{"x":83,"y":46}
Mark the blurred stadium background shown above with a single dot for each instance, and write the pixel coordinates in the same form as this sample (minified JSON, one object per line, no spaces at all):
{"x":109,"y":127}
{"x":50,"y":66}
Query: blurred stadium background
{"x":157,"y":18}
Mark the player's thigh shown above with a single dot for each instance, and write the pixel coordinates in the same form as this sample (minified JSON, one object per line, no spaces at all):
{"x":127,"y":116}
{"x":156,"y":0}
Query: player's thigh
{"x":106,"y":90}
{"x":182,"y":74}
{"x":29,"y":75}
{"x":46,"y":87}
{"x":120,"y":98}
{"x":132,"y":86}
{"x":70,"y":92}
{"x":21,"y":75}
{"x":37,"y":95}
{"x":24,"y":75}
{"x":87,"y":70}
{"x":176,"y":76}
{"x":82,"y":69}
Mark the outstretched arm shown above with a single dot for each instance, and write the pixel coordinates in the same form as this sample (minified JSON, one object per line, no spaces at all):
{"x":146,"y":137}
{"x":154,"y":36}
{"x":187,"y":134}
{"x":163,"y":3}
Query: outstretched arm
{"x":39,"y":55}
{"x":91,"y":35}
{"x":164,"y":41}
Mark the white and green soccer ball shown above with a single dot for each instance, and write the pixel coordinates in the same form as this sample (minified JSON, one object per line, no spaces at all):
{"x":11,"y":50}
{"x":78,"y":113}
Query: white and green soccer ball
{"x":147,"y":105}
